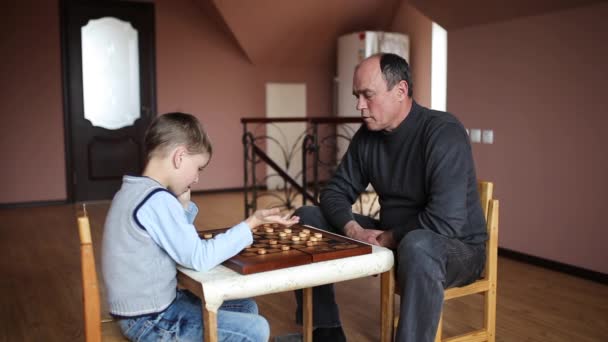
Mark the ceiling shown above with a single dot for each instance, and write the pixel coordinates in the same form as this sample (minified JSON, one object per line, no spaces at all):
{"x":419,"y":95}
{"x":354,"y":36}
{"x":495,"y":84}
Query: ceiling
{"x":304,"y":33}
{"x":463,"y":13}
{"x":298,"y":32}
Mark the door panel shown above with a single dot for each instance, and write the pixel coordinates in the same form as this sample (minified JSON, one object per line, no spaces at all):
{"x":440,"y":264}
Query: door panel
{"x":110,"y":159}
{"x":98,"y":157}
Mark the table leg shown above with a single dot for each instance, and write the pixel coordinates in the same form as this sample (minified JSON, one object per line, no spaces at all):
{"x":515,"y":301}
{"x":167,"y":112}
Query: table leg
{"x":209,"y":317}
{"x":387,"y":300}
{"x":307,"y":314}
{"x":210,"y":328}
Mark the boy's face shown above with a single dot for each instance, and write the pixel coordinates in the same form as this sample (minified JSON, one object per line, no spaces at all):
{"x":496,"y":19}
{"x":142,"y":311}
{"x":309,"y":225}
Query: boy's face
{"x":190,"y":166}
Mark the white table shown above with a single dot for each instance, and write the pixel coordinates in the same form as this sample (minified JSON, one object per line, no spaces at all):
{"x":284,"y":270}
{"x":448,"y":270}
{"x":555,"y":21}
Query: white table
{"x":221,"y":284}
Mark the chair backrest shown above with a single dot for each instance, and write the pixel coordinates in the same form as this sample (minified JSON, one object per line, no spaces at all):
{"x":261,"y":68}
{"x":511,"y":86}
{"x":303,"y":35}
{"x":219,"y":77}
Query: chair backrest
{"x":490,"y":210}
{"x":486,"y":190}
{"x":90,"y":287}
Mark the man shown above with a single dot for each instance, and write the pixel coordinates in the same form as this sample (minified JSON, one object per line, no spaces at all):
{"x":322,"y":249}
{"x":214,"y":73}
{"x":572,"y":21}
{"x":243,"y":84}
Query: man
{"x":419,"y":161}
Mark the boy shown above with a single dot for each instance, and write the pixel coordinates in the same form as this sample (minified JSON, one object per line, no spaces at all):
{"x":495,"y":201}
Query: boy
{"x":148,"y":231}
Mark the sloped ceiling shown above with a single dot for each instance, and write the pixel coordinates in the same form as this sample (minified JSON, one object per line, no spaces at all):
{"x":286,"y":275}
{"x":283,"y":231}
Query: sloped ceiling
{"x":292,"y":32}
{"x":304,"y":32}
{"x":463,"y":13}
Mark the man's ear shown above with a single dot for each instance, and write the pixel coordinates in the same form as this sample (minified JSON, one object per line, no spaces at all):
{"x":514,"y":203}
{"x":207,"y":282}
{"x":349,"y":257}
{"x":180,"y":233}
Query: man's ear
{"x":402,"y":90}
{"x":177,"y":156}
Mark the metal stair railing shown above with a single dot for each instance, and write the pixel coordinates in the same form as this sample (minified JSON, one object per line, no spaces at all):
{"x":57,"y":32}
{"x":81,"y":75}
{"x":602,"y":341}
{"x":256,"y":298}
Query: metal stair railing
{"x":317,"y":145}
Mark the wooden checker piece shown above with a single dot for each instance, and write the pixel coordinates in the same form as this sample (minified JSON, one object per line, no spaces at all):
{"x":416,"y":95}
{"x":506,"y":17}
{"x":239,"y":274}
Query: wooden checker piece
{"x":285,"y":252}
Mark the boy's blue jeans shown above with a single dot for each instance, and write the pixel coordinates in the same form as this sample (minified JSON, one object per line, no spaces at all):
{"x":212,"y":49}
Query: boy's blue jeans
{"x":237,"y":320}
{"x":426,"y":264}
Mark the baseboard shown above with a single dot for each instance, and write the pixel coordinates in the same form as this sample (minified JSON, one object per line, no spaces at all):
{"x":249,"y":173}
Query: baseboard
{"x":32,"y":204}
{"x":62,"y":202}
{"x":217,"y":191}
{"x":580,"y":272}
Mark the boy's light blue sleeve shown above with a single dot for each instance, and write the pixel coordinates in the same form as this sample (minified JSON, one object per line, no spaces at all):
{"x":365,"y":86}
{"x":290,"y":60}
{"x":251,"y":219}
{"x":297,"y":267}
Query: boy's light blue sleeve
{"x":170,"y":226}
{"x":191,"y":212}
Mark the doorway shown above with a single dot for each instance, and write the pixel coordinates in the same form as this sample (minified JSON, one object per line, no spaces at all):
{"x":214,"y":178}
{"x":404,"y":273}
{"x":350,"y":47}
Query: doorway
{"x":108,"y":56}
{"x":285,"y":100}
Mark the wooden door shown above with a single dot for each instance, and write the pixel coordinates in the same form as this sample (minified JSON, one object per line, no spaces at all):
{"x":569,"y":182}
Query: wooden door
{"x":101,"y":148}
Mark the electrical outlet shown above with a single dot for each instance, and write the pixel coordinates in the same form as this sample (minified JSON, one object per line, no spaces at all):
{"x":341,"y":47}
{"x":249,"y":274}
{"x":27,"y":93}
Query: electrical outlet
{"x":475,"y":135}
{"x":487,"y":136}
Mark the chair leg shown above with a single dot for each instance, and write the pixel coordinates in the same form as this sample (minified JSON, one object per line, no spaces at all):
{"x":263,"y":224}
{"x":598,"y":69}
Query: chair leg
{"x":439,"y":328}
{"x":395,"y":325}
{"x":490,"y":313}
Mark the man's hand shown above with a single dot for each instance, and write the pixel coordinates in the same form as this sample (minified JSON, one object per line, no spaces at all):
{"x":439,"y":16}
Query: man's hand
{"x":354,"y":231}
{"x":387,"y":240}
{"x":270,"y":216}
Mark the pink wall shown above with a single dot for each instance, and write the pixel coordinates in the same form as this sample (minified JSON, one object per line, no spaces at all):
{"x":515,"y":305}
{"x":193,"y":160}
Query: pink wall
{"x":540,"y":83}
{"x":199,"y":70}
{"x":418,"y":27}
{"x":31,"y":133}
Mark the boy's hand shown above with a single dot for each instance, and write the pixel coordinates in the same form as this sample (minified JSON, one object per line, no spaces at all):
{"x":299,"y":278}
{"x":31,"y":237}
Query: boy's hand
{"x":270,"y":216}
{"x":184,"y":199}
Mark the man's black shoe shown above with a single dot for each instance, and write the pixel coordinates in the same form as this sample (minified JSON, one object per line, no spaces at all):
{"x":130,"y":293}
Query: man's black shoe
{"x":335,"y":334}
{"x":318,"y":335}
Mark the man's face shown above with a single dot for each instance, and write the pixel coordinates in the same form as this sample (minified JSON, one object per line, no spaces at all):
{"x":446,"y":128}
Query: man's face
{"x":379,"y":107}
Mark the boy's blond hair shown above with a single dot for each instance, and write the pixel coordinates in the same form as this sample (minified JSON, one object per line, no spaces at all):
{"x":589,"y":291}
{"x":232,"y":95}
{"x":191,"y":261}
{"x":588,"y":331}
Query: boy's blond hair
{"x":173,"y":129}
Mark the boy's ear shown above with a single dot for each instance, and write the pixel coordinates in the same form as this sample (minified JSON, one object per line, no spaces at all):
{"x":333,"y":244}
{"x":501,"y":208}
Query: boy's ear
{"x":178,"y":155}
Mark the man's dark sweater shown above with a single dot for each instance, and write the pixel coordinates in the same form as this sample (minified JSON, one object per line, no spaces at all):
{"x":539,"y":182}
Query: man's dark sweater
{"x":423,"y":172}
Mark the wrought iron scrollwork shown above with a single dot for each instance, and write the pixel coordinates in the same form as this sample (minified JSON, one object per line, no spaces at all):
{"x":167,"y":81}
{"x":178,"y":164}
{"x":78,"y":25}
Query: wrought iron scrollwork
{"x":317,"y":146}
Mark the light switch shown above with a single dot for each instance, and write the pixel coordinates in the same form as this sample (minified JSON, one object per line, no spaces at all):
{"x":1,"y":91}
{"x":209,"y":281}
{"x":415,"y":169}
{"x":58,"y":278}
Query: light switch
{"x":487,"y":136}
{"x":475,"y":135}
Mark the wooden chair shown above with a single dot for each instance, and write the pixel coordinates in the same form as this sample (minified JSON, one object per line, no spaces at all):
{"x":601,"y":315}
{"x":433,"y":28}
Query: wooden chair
{"x":487,"y":284}
{"x":90,"y":290}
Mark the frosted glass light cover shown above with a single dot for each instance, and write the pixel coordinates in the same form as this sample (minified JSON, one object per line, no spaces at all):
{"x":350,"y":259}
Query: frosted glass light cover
{"x":110,"y":73}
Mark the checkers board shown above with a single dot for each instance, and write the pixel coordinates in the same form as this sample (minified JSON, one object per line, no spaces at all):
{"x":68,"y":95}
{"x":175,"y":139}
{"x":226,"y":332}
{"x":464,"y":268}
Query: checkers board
{"x":276,"y":246}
